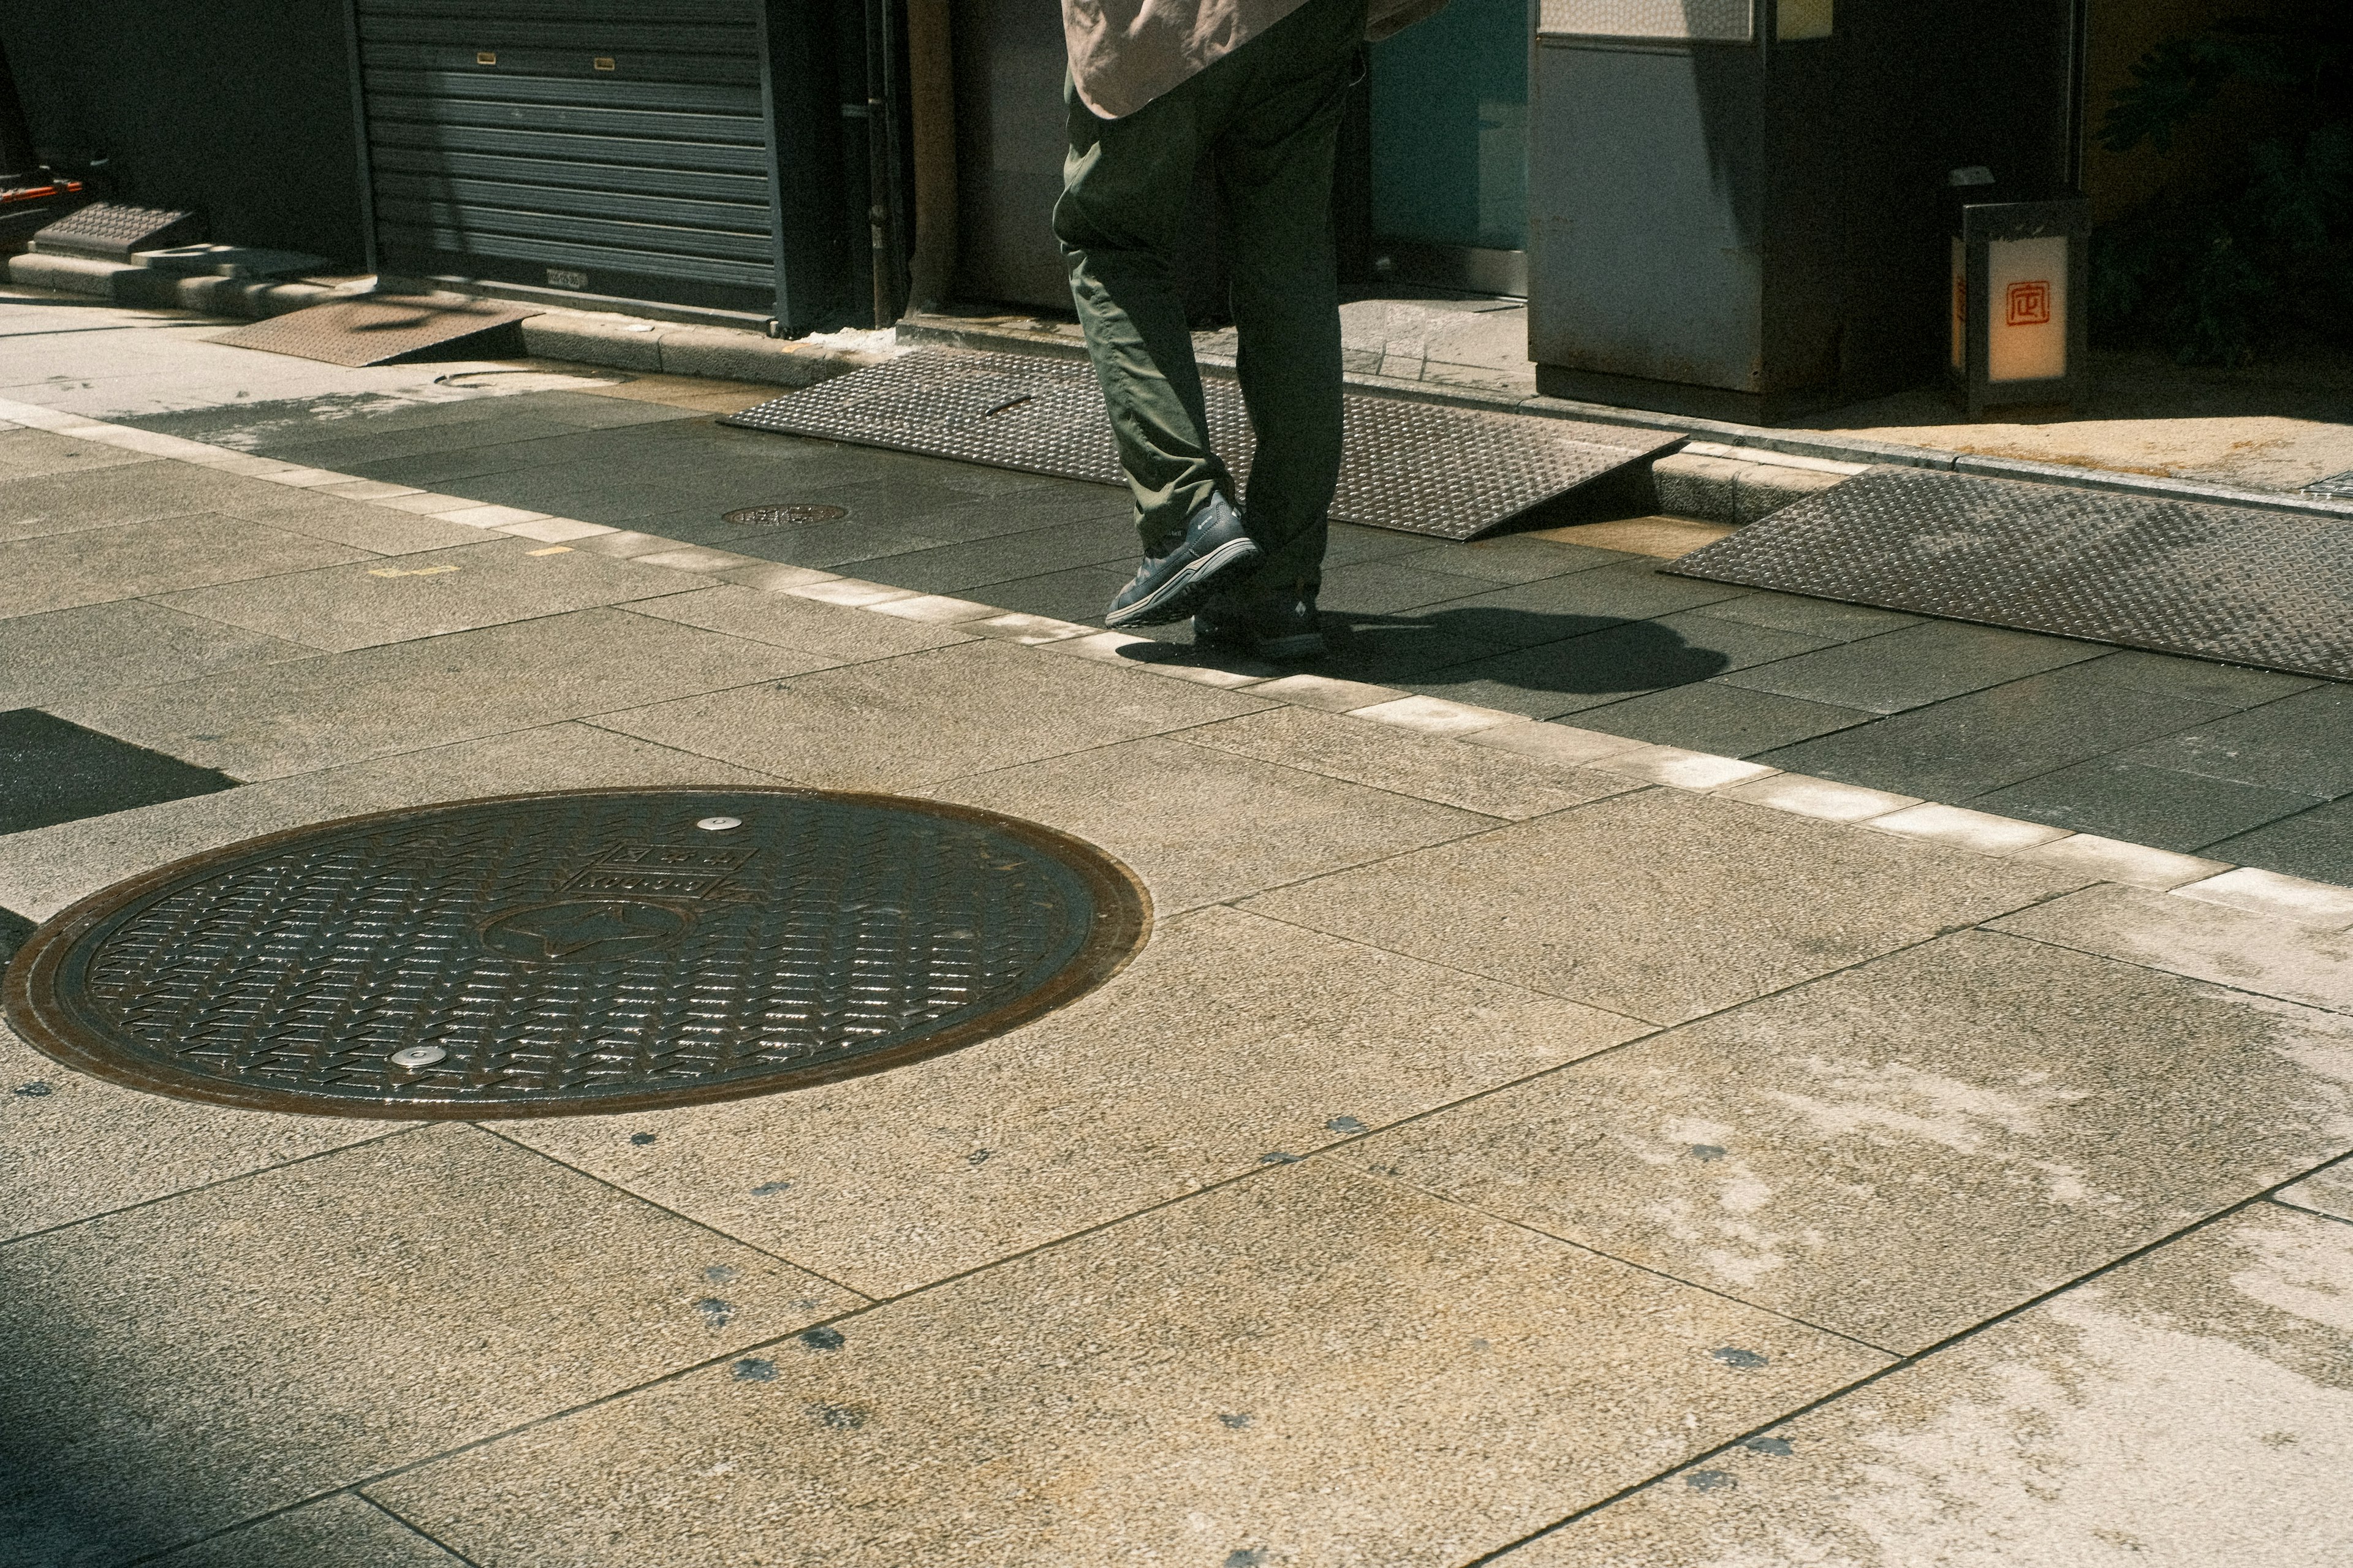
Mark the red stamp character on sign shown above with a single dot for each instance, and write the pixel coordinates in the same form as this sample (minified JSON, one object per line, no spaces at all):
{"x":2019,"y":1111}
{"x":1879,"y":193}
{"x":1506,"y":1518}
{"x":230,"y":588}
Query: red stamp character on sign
{"x":2029,"y":304}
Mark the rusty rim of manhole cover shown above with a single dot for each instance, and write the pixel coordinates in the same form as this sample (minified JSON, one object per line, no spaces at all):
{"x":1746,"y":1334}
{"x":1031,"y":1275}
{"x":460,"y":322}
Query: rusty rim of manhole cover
{"x":575,"y":954}
{"x":785,"y":516}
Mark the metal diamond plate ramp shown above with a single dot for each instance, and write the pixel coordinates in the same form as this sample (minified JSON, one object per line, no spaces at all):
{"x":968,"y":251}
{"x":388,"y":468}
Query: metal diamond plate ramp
{"x":356,"y":333}
{"x":2243,"y":586}
{"x":113,"y":230}
{"x":590,"y":952}
{"x":1422,"y":467}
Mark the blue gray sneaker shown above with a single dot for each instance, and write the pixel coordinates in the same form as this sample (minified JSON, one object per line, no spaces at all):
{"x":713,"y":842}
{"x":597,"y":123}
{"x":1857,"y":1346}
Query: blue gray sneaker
{"x":1169,"y":586}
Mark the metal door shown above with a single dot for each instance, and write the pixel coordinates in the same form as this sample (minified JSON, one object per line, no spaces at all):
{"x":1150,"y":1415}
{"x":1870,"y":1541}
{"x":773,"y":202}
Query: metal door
{"x":618,"y":148}
{"x":1449,"y":149}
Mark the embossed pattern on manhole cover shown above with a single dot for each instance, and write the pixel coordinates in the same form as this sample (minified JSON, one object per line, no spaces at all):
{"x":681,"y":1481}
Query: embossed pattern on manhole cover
{"x":589,"y":952}
{"x":789,"y":516}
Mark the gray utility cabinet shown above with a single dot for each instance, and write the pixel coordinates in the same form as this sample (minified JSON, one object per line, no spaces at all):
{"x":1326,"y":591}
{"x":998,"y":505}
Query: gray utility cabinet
{"x":600,"y":149}
{"x":1737,"y":208}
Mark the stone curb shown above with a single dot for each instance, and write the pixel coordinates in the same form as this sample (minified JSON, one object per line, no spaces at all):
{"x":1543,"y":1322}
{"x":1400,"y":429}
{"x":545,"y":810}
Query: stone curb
{"x":2322,"y":905}
{"x":147,"y":288}
{"x":579,"y":337}
{"x":715,"y":353}
{"x":629,"y":342}
{"x":1755,"y":439}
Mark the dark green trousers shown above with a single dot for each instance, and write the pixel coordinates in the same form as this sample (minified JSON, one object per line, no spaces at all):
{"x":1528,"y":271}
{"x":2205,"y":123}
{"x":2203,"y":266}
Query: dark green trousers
{"x":1268,"y":118}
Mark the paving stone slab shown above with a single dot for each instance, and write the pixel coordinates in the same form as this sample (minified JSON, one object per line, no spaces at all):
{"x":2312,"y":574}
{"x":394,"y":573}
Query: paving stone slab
{"x":2302,"y":743}
{"x":1630,"y":590}
{"x":2328,"y":1191}
{"x":789,"y":621}
{"x":1231,"y":1042}
{"x":345,"y":1530}
{"x":1389,"y":586}
{"x":484,"y":583}
{"x":1974,"y":743}
{"x":2314,"y":843}
{"x":956,"y":567}
{"x":320,"y":513}
{"x":1198,"y":1385}
{"x":2200,"y":680}
{"x":26,"y":454}
{"x":1590,"y":668}
{"x":1660,"y":906}
{"x":1910,"y":665}
{"x":96,"y":565}
{"x":1824,"y":618}
{"x":1516,"y":557}
{"x":2156,"y":807}
{"x":63,"y":1136}
{"x":2191,"y":1410}
{"x":2228,"y":947}
{"x":195,"y":1362}
{"x":345,"y":707}
{"x":52,"y":771}
{"x":2134,"y":865}
{"x":43,"y":871}
{"x":79,"y":499}
{"x":131,"y":642}
{"x":1202,"y":825}
{"x":927,"y":717}
{"x":1907,"y":1149}
{"x":1729,"y":721}
{"x":1483,"y":779}
{"x":70,"y":502}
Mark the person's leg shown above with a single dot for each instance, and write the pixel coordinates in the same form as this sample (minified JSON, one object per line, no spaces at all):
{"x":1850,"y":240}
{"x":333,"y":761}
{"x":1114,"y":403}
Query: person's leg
{"x":1275,"y":154}
{"x":1120,"y":221}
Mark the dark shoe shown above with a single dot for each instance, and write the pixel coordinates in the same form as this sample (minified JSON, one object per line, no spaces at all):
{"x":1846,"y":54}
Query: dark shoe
{"x":1280,"y":625}
{"x":1170,"y":586}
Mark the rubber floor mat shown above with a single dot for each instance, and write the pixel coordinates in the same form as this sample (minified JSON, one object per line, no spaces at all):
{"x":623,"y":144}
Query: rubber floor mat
{"x":1422,"y":467}
{"x":2243,"y":586}
{"x":355,"y":332}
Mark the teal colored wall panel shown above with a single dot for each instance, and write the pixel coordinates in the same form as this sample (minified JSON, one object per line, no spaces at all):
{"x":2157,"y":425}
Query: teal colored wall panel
{"x":1449,"y":127}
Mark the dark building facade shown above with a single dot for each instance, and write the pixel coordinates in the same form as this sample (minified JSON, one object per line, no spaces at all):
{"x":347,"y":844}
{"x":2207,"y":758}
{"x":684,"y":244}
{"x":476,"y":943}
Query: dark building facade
{"x":1742,"y":197}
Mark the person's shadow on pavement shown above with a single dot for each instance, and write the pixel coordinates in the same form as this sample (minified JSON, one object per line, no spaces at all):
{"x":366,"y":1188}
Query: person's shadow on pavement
{"x":1527,"y":650}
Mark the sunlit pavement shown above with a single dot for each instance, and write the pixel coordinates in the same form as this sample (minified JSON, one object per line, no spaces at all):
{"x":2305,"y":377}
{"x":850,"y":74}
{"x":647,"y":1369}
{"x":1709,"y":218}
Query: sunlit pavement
{"x":1518,"y":1141}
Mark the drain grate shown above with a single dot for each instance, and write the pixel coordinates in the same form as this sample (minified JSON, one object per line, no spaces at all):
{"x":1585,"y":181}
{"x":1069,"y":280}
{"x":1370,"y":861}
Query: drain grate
{"x":2213,"y":582}
{"x":1423,"y":468}
{"x":589,"y":952}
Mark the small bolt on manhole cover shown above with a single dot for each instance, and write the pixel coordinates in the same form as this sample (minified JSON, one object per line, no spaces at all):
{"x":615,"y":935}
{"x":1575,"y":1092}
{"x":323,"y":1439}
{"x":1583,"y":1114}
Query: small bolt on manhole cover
{"x":589,"y":952}
{"x":784,"y":516}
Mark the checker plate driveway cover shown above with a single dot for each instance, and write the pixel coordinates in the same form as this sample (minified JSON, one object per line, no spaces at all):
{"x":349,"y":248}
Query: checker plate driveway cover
{"x":2227,"y":583}
{"x":579,"y":952}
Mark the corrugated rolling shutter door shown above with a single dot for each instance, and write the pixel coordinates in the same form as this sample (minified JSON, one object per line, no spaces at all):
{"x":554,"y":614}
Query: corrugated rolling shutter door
{"x":614,"y":147}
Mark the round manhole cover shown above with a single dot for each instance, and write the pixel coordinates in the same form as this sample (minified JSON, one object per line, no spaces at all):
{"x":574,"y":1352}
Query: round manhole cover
{"x":588,"y":951}
{"x":784,"y":516}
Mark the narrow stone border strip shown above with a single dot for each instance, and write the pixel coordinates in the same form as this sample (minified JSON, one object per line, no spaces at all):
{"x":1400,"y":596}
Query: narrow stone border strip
{"x":2324,"y":906}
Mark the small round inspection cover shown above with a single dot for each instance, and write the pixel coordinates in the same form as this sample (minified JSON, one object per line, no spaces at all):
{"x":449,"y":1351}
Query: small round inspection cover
{"x":589,"y":952}
{"x":784,"y":516}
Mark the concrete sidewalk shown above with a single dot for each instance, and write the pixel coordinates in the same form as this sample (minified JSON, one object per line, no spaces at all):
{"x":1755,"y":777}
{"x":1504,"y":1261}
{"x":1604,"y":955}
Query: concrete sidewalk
{"x":1517,"y":1143}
